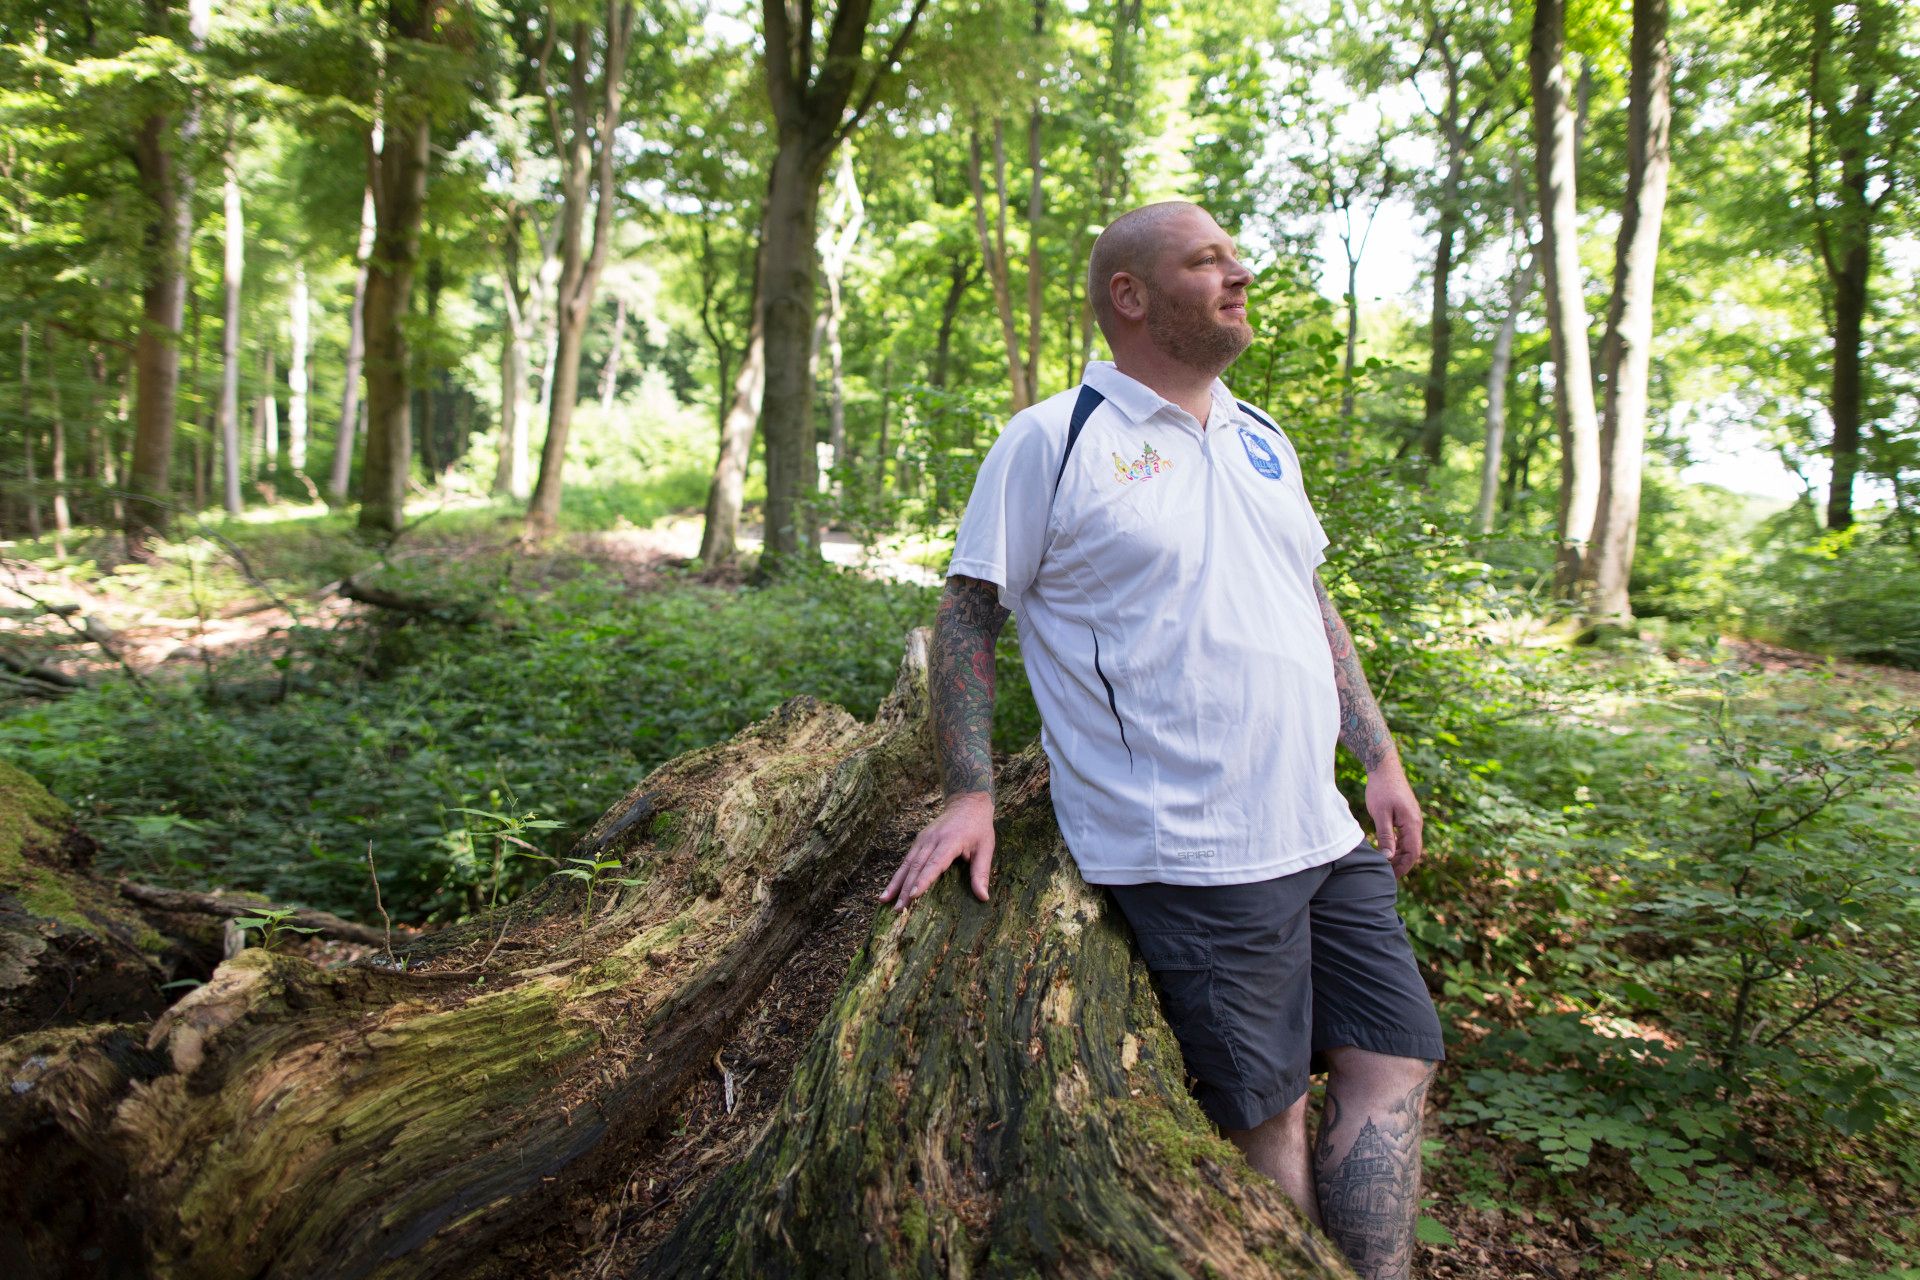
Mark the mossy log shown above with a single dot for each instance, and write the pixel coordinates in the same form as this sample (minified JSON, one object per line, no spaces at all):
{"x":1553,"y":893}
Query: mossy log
{"x":71,"y":951}
{"x":285,"y":1120}
{"x":995,"y":1093}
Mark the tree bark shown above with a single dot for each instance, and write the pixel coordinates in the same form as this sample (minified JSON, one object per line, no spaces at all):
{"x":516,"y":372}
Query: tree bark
{"x":383,"y":1121}
{"x":233,"y":241}
{"x":399,"y":183}
{"x":57,"y":462}
{"x":719,"y":536}
{"x":845,"y":218}
{"x":1499,"y":365}
{"x":587,"y":154}
{"x":269,"y":413}
{"x":995,"y":1093}
{"x":28,"y":473}
{"x":162,"y":156}
{"x":1626,"y":353}
{"x":299,"y":321}
{"x":1553,"y":128}
{"x":350,"y":403}
{"x":815,"y":109}
{"x":961,"y":274}
{"x":993,"y":252}
{"x":610,"y":372}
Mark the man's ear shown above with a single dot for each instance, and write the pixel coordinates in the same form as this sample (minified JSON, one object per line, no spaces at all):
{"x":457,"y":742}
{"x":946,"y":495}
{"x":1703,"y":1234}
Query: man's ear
{"x":1129,"y":296}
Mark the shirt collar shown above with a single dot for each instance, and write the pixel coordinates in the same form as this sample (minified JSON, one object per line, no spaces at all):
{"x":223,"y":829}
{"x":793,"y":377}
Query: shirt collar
{"x":1137,"y":401}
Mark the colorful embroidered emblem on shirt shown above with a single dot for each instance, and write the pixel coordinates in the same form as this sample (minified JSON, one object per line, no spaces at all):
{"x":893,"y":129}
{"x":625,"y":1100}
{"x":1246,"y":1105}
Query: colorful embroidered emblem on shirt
{"x":1148,"y":465}
{"x":1260,"y":454}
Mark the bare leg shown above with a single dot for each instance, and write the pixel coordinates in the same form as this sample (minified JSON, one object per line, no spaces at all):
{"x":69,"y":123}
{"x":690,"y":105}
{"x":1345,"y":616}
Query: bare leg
{"x":1277,"y":1147}
{"x":1366,"y":1165}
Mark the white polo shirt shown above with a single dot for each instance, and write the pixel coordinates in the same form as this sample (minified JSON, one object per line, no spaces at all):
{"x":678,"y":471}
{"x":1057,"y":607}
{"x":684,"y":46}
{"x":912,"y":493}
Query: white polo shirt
{"x":1171,"y":634}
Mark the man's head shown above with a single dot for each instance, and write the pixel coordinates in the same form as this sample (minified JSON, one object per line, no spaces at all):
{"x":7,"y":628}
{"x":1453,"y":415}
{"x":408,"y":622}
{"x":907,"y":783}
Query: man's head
{"x":1163,"y":279}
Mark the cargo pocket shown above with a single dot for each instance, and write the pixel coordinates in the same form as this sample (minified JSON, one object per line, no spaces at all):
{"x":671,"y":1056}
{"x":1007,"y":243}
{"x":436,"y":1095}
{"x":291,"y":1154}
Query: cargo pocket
{"x":1182,"y":968}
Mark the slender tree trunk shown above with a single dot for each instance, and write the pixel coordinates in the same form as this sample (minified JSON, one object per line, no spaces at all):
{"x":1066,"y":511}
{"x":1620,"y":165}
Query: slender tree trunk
{"x":510,"y":471}
{"x":1553,"y":128}
{"x":720,"y":536}
{"x":298,"y":330}
{"x":1035,"y":205}
{"x":1499,"y":366}
{"x":961,"y":275}
{"x":57,"y":463}
{"x":270,"y":414}
{"x":351,"y":405}
{"x":162,"y":156}
{"x":1433,"y":429}
{"x":588,"y":171}
{"x":429,"y":378}
{"x":28,"y":473}
{"x":400,"y":196}
{"x":1347,"y":360}
{"x":1627,"y":351}
{"x":993,"y":251}
{"x":234,"y":264}
{"x":1849,"y":327}
{"x":610,"y":374}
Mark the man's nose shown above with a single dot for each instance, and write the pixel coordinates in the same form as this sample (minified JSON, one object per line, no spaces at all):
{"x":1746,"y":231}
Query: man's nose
{"x":1239,"y":275}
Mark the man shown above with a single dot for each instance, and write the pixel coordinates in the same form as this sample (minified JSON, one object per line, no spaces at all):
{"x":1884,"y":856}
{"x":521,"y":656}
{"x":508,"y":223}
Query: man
{"x":1192,"y":677}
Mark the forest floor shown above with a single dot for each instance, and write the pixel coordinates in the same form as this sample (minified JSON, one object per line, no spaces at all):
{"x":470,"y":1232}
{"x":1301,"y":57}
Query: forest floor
{"x":1491,"y":1211}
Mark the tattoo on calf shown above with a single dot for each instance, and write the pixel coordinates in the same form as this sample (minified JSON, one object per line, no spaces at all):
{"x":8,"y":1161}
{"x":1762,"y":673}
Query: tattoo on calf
{"x":1363,"y":730}
{"x":964,"y":631}
{"x":1371,"y":1198}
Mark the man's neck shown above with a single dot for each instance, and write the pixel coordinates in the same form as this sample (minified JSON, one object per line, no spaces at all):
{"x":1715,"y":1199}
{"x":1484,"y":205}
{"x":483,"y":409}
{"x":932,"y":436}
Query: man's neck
{"x":1190,"y":388}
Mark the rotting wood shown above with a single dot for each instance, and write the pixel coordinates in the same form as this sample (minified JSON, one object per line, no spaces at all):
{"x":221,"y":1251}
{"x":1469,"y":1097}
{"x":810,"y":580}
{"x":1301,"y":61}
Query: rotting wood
{"x":285,"y":1120}
{"x":995,"y":1093}
{"x":226,"y":905}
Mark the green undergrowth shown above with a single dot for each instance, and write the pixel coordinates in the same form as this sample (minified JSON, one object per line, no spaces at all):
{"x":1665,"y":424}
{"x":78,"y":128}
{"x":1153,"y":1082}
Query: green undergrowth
{"x":278,"y":772}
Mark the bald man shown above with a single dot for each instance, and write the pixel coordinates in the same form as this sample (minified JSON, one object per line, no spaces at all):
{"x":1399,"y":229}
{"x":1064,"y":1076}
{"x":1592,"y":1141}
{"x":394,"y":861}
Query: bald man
{"x":1193,"y":678}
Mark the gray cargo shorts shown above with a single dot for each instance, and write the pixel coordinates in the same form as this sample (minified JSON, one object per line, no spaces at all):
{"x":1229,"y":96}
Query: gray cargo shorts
{"x":1259,"y":980}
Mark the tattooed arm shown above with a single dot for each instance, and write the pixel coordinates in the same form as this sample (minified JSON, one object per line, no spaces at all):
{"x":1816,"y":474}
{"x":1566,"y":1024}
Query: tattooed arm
{"x":961,"y":682}
{"x":1363,"y":731}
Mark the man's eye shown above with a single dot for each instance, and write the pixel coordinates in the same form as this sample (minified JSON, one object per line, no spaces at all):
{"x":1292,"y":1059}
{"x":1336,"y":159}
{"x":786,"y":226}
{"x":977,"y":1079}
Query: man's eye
{"x":1204,"y":261}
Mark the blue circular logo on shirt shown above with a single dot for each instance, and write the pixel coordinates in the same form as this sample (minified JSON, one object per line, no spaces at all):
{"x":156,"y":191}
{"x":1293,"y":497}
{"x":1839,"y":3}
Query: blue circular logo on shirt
{"x":1260,"y":454}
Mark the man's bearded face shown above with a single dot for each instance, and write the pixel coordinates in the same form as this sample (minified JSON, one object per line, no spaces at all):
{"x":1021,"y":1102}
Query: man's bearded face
{"x":1193,"y":328}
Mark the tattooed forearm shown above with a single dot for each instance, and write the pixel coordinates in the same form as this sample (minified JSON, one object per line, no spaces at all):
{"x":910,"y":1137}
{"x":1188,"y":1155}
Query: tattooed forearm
{"x":1363,"y":730}
{"x":1370,"y":1196}
{"x":969,"y":621}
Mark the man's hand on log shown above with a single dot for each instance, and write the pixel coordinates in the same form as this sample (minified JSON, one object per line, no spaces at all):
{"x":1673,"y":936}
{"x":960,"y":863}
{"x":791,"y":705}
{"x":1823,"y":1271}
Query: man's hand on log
{"x":964,"y":829}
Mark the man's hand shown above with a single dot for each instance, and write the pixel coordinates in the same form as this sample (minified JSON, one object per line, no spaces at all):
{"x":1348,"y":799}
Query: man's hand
{"x":964,"y":829}
{"x":1396,"y":816}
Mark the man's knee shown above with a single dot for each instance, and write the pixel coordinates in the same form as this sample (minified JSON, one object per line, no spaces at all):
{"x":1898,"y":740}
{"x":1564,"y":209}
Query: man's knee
{"x":1349,"y":1063}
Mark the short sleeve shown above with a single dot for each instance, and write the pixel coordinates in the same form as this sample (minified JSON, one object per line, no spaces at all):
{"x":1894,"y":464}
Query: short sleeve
{"x":1003,"y":532}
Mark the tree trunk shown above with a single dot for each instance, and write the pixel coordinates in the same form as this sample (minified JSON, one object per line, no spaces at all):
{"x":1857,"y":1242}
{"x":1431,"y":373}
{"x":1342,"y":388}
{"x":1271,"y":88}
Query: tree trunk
{"x":383,"y":1121}
{"x":1553,"y":128}
{"x":994,"y":1093}
{"x":588,"y":172}
{"x":350,"y":402}
{"x":1035,"y":205}
{"x":793,"y":194}
{"x":1849,"y":327}
{"x":269,"y":413}
{"x":299,"y":320}
{"x":610,"y":373}
{"x":399,"y":183}
{"x":845,"y":218}
{"x":429,"y":416}
{"x":1433,"y":429}
{"x":720,"y":535}
{"x":28,"y":475}
{"x":162,"y":157}
{"x":1627,"y":351}
{"x":57,"y":463}
{"x":233,"y":241}
{"x":510,"y":471}
{"x":993,"y":252}
{"x":1498,"y":367}
{"x":961,"y":275}
{"x":285,"y":1120}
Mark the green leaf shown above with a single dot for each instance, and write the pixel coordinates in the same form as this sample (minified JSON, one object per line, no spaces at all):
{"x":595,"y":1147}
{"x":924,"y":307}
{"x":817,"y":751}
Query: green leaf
{"x":1432,"y":1231}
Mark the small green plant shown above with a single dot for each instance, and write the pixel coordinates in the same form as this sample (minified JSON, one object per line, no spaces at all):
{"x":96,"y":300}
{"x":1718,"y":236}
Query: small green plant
{"x":271,"y":922}
{"x":507,"y":830}
{"x":589,"y":871}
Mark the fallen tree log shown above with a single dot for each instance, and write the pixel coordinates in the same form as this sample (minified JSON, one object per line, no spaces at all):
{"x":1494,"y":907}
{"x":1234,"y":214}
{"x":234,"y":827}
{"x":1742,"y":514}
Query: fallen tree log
{"x":992,"y":1091}
{"x":285,"y":1120}
{"x":224,"y":906}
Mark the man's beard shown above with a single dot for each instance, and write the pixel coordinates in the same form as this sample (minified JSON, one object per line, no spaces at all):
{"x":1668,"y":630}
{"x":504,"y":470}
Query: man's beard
{"x":1193,"y":334}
